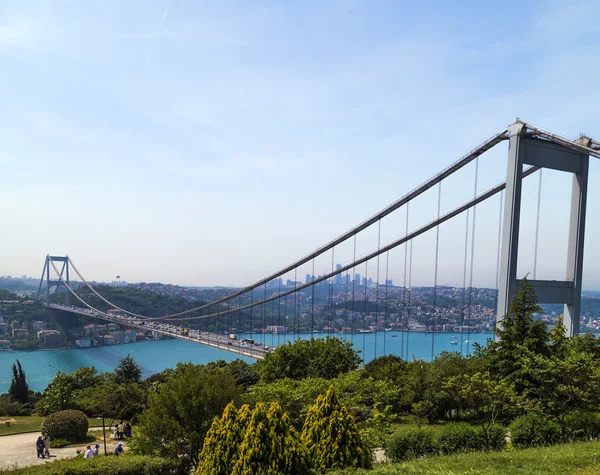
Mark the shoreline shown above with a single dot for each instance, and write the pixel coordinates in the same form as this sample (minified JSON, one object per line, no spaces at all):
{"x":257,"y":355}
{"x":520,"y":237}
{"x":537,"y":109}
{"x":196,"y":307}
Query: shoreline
{"x":304,"y":332}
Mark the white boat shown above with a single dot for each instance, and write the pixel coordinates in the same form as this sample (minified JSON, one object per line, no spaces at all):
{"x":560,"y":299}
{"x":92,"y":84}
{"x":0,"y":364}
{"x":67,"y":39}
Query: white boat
{"x":453,"y":340}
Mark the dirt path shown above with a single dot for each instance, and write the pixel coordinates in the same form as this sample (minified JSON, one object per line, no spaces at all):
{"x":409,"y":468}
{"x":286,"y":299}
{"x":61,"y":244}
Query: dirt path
{"x":19,"y":450}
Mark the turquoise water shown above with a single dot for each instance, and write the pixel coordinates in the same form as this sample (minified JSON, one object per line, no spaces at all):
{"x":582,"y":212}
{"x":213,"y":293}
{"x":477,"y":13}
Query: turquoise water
{"x":154,"y":356}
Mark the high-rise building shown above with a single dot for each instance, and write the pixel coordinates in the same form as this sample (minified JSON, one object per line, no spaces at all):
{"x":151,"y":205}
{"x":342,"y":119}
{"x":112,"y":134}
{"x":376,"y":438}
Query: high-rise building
{"x":338,"y":278}
{"x":307,"y":280}
{"x":389,"y":282}
{"x":357,"y":279}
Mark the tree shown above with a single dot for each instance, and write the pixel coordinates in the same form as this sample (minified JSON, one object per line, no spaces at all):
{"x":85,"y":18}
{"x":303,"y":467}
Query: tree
{"x":179,"y":415}
{"x":58,"y":395}
{"x":113,"y":400}
{"x":421,"y":411}
{"x":390,"y":367}
{"x":487,"y":399}
{"x":19,"y":390}
{"x":560,"y":385}
{"x":128,"y":371}
{"x":270,"y":445}
{"x":84,"y":377}
{"x":332,"y":438}
{"x":558,"y":335}
{"x":221,"y":448}
{"x":519,"y":334}
{"x":317,"y":358}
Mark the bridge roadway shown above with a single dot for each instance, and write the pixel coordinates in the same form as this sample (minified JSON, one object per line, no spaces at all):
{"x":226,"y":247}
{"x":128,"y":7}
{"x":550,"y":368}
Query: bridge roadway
{"x":204,"y":338}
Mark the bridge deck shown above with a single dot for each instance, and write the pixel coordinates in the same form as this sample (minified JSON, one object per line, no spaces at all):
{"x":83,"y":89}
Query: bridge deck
{"x":211,"y":339}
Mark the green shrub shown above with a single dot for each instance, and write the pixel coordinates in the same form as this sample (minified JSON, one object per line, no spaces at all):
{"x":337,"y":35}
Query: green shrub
{"x":460,"y":437}
{"x":533,"y":430}
{"x":583,"y":426}
{"x":406,"y":445}
{"x":496,"y":437}
{"x":58,"y":443}
{"x":129,"y":465}
{"x":70,"y":425}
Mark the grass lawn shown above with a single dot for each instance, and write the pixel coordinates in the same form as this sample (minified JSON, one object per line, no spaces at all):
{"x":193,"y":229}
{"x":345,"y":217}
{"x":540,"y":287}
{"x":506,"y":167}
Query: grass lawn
{"x":577,"y":458}
{"x":27,"y":423}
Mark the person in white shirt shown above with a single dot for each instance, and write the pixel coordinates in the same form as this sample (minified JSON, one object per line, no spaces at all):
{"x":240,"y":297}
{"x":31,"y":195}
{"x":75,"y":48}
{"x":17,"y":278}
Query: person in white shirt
{"x":89,"y":453}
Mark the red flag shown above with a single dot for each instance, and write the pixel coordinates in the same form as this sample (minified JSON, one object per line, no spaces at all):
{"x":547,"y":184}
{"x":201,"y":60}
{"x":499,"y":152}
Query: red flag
{"x":118,"y":277}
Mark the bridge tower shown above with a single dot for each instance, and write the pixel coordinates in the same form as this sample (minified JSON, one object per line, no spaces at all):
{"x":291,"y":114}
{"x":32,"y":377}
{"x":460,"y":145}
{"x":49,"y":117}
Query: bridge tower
{"x":57,"y":282}
{"x":526,"y":149}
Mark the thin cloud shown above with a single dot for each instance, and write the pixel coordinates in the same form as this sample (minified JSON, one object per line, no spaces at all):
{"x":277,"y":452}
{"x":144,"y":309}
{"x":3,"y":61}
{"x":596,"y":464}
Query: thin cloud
{"x":165,"y":14}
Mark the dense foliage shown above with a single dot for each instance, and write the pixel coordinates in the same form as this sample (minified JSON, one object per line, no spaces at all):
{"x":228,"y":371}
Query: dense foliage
{"x":130,"y":465}
{"x":258,"y":442}
{"x":331,"y":436}
{"x":314,"y":358}
{"x":181,"y":410}
{"x":70,"y":425}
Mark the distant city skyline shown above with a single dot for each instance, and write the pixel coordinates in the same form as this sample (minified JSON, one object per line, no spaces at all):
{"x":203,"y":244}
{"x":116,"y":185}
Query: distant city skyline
{"x":206,"y":143}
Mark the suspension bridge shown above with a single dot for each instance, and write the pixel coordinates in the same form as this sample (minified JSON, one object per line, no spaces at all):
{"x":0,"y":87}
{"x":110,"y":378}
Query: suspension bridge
{"x":358,"y":297}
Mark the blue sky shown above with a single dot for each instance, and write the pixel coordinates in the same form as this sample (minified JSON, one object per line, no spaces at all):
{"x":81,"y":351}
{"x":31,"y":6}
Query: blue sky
{"x":209,"y":143}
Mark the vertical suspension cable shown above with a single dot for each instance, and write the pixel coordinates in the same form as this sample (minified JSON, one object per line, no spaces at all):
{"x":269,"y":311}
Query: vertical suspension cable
{"x":387,"y":267}
{"x":264,"y":312}
{"x":366,"y":303}
{"x":295,"y":299}
{"x":312,"y":301}
{"x":404,"y":313}
{"x":409,"y":295}
{"x":498,"y":260}
{"x":353,"y":289}
{"x":472,"y":253}
{"x":330,"y":324}
{"x":346,"y":308}
{"x":239,"y":325}
{"x":537,"y":226}
{"x":251,"y":317}
{"x":464,"y":290}
{"x":377,"y":292}
{"x":435,"y":277}
{"x":279,"y":312}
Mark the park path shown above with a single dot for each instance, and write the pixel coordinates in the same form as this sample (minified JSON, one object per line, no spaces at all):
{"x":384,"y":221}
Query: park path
{"x":19,"y":450}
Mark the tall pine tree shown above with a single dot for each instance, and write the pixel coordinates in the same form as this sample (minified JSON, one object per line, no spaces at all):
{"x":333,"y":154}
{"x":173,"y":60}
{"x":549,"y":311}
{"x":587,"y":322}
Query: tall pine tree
{"x":519,"y":335}
{"x":332,"y":438}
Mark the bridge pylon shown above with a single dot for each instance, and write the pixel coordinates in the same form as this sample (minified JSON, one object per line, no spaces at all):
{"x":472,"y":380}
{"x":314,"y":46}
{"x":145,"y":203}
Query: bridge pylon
{"x":55,"y":283}
{"x":527,"y":149}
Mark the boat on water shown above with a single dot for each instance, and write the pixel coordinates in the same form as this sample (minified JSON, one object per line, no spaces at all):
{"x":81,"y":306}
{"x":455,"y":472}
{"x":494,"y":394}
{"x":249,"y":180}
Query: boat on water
{"x":366,"y":331}
{"x":453,"y":340}
{"x":394,"y":336}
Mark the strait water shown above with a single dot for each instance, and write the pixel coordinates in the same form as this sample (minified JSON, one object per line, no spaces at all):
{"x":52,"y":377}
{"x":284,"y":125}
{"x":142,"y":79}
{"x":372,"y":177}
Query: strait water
{"x":154,"y":356}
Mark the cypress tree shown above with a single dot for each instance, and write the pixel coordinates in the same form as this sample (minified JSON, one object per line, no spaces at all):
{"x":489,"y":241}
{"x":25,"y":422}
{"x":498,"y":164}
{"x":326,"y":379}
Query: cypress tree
{"x":19,"y":390}
{"x":332,"y":438}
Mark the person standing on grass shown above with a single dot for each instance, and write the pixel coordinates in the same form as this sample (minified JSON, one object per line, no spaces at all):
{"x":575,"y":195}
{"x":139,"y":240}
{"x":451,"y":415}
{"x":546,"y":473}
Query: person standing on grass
{"x":119,"y":449}
{"x":120,"y":429}
{"x":89,"y":453}
{"x":46,"y":440}
{"x":96,"y":450}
